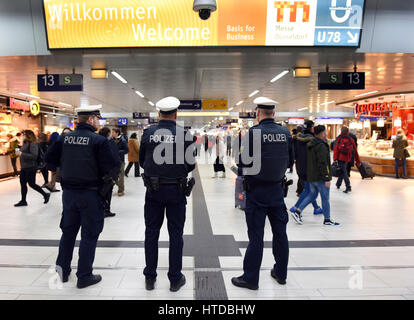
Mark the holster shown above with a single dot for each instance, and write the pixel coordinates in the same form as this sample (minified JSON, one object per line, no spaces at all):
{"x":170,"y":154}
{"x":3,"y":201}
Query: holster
{"x":189,"y":185}
{"x":285,"y":185}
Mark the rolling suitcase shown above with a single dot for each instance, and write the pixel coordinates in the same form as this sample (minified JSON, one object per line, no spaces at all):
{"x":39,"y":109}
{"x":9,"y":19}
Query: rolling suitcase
{"x":366,"y":170}
{"x":240,"y":194}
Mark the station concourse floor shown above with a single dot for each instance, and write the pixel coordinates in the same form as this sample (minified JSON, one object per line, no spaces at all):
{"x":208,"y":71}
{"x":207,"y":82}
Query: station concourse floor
{"x":369,"y":256}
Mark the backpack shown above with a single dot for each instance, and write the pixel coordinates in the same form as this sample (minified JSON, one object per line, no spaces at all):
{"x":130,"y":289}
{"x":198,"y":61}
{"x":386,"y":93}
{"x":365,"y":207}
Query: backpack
{"x":345,"y":145}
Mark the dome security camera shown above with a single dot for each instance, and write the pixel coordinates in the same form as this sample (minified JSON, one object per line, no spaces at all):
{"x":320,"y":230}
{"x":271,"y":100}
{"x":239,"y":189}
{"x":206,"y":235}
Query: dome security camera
{"x":204,"y":8}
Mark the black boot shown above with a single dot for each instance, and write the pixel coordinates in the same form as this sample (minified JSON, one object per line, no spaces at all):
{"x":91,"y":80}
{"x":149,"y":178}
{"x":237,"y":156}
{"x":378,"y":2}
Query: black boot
{"x":109,"y":214}
{"x":150,"y":284}
{"x":47,"y":197}
{"x":21,"y":204}
{"x":176,"y":286}
{"x":239,"y":282}
{"x":94,"y":280}
{"x":348,"y":190}
{"x":279,"y":280}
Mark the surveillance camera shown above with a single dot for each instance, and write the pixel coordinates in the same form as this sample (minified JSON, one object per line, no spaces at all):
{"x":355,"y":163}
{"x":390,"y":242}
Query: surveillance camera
{"x":204,"y":8}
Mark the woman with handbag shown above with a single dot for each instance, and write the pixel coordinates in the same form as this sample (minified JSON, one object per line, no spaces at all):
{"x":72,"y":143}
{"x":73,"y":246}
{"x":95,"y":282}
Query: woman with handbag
{"x":400,"y":145}
{"x":29,"y":164}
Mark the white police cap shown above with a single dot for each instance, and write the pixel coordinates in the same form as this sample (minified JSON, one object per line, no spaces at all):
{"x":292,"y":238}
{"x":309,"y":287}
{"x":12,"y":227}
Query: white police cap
{"x":265,"y":103}
{"x":89,"y":110}
{"x":168,"y":105}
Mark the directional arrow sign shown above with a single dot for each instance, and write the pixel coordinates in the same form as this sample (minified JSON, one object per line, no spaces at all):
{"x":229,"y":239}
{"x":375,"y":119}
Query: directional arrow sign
{"x":353,"y":37}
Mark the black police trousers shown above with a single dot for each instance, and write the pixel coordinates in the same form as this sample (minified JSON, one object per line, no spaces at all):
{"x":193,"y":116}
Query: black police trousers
{"x":262,"y":202}
{"x":81,"y":209}
{"x":169,"y":200}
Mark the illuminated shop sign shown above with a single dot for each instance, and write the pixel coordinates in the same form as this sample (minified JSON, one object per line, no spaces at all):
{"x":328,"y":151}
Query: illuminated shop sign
{"x":19,"y":105}
{"x":34,"y":108}
{"x":326,"y":121}
{"x":376,"y":109}
{"x":296,"y":121}
{"x":161,"y":23}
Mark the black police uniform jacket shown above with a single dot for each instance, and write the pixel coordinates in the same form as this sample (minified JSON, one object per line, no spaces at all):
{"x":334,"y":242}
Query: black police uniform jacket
{"x":83,"y":156}
{"x":276,"y":153}
{"x":167,"y":151}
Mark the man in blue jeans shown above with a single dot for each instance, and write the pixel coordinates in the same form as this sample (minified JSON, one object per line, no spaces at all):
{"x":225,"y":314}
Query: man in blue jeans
{"x":301,"y":156}
{"x":319,"y":176}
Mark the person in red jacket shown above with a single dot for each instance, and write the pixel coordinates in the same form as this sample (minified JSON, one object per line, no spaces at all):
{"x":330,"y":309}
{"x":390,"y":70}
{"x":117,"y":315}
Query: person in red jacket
{"x":345,"y":148}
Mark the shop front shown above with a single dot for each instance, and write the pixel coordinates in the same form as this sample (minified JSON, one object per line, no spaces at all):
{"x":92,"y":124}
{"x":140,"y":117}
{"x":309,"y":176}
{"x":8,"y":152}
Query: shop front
{"x":376,"y":124}
{"x":15,"y":116}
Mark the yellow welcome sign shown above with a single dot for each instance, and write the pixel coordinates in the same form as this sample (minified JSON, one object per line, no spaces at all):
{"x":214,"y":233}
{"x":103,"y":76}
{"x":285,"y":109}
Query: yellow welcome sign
{"x":215,"y":105}
{"x":152,"y":23}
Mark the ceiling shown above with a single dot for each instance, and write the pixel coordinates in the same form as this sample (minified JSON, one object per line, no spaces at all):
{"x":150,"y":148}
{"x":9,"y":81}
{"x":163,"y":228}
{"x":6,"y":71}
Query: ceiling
{"x":208,"y":73}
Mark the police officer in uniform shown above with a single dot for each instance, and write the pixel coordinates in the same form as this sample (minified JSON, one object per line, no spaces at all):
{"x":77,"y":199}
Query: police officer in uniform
{"x":167,"y":156}
{"x":265,"y":194}
{"x":84,"y":159}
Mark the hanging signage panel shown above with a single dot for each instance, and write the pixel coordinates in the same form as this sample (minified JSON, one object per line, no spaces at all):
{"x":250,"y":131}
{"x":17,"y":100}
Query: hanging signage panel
{"x":59,"y":82}
{"x":122,"y":121}
{"x":341,"y":80}
{"x":190,"y":105}
{"x":160,"y":23}
{"x":140,"y":115}
{"x":215,"y":105}
{"x":247,"y":115}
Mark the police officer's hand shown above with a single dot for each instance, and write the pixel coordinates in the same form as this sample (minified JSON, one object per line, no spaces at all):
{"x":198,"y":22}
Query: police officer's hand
{"x":328,"y":184}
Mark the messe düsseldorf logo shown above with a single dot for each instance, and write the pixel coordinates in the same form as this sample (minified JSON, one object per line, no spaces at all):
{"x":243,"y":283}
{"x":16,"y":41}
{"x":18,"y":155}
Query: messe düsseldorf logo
{"x":293,"y":7}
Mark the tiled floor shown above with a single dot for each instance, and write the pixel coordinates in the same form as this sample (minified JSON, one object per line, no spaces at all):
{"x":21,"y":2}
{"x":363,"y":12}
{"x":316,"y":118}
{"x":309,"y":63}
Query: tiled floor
{"x":376,"y":210}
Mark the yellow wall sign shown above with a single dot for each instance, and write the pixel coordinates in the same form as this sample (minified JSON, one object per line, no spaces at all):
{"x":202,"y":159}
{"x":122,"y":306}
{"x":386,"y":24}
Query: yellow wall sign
{"x":215,"y":105}
{"x":34,"y":108}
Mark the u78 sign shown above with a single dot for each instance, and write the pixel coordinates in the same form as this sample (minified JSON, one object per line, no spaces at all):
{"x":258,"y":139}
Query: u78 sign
{"x":339,"y":23}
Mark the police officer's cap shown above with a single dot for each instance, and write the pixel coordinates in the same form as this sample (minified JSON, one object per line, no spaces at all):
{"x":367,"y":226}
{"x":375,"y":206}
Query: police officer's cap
{"x":265,"y":103}
{"x":168,"y":105}
{"x":89,"y":111}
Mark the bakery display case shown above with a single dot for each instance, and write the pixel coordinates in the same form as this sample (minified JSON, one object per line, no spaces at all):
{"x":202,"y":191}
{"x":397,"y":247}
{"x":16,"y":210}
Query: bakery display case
{"x":5,"y":164}
{"x":379,"y":153}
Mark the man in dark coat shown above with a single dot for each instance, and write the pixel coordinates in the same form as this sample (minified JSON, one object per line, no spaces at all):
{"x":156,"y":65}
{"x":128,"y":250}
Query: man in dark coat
{"x":123,"y":149}
{"x":301,"y":154}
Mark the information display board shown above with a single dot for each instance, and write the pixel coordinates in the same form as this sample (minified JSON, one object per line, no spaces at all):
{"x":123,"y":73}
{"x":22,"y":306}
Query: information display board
{"x":341,"y":80}
{"x":59,"y":82}
{"x":161,"y":23}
